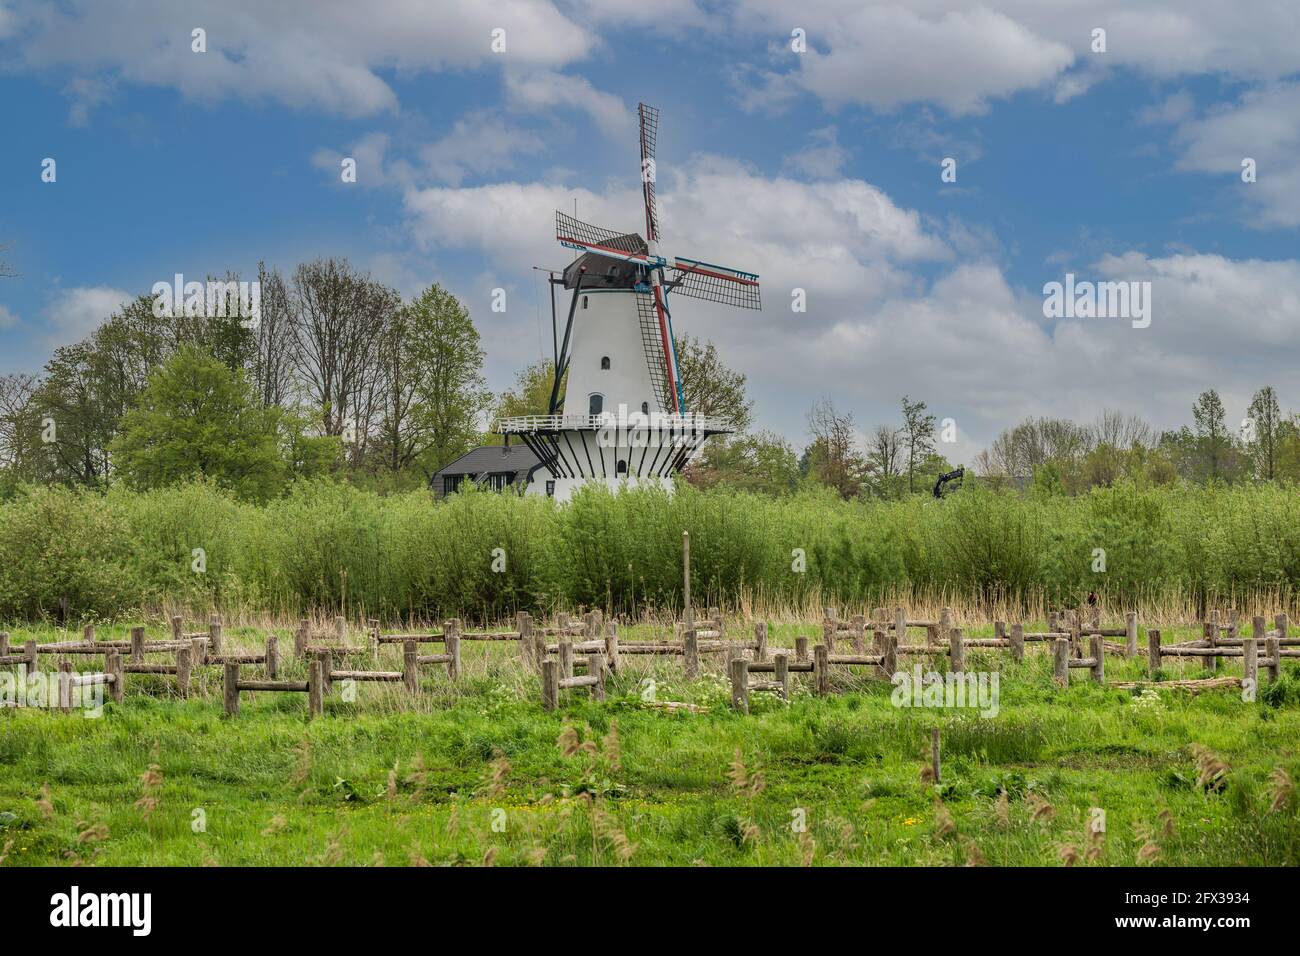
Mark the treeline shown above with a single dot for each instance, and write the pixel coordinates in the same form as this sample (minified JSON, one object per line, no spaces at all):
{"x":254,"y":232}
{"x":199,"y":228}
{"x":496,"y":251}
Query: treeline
{"x":333,"y":374}
{"x":329,"y":545}
{"x":1058,"y":455}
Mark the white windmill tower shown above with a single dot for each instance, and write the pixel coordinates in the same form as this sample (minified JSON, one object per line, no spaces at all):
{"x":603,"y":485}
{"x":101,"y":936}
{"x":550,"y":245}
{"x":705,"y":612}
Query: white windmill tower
{"x":622,"y":419}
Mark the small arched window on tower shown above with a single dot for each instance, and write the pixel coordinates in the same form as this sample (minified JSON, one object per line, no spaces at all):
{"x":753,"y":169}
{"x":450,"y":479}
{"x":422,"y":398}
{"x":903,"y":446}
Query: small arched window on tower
{"x":604,"y":363}
{"x":584,"y":301}
{"x":595,"y":403}
{"x":645,"y":408}
{"x":620,"y":470}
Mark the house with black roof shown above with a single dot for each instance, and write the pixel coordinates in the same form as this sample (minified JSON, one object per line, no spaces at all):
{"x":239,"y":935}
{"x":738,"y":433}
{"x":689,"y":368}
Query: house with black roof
{"x":498,"y":467}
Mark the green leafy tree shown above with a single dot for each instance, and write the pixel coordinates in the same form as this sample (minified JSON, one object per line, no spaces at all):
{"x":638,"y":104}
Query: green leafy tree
{"x":763,"y":463}
{"x":1266,"y":416}
{"x":1213,"y":440}
{"x":447,"y":371}
{"x":198,"y":418}
{"x":917,"y":436}
{"x":710,"y":387}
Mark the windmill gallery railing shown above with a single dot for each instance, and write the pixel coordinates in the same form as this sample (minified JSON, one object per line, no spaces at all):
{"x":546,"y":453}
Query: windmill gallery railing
{"x":686,"y":424}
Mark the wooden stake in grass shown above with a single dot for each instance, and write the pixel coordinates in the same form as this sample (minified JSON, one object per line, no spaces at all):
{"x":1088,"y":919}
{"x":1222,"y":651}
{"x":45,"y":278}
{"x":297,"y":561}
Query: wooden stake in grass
{"x":231,"y":689}
{"x":934,"y":754}
{"x":760,"y":640}
{"x":137,"y":645}
{"x":315,"y":689}
{"x":739,"y":670}
{"x":691,"y":653}
{"x":957,"y":650}
{"x":687,"y":614}
{"x":1131,"y":632}
{"x":1017,"y":642}
{"x":1061,"y":661}
{"x":550,"y":684}
{"x":1153,"y":651}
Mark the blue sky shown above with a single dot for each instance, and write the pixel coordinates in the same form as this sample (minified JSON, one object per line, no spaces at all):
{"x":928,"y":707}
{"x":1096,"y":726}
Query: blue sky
{"x":819,"y":170}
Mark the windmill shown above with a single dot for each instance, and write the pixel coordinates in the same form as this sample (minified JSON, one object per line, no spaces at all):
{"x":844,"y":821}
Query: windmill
{"x":617,"y":354}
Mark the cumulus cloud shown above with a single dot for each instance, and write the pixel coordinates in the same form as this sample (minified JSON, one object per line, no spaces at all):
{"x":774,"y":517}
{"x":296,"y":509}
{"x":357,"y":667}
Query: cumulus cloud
{"x":75,"y":313}
{"x":1263,"y":125}
{"x":544,"y":90}
{"x":960,"y":54}
{"x":8,"y":319}
{"x":324,"y":54}
{"x":478,"y":145}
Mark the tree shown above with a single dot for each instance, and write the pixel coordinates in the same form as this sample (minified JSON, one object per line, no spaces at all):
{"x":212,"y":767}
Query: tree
{"x":883,"y":467}
{"x":198,"y":418}
{"x":447,"y":371}
{"x":1266,"y":415}
{"x":763,"y":463}
{"x":531,"y":394}
{"x":338,"y":317}
{"x":833,"y":459}
{"x":917,"y":435}
{"x":1211,"y":433}
{"x":710,"y":387}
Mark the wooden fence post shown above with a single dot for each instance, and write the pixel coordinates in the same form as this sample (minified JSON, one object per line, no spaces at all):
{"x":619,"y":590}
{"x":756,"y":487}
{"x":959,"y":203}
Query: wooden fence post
{"x":373,"y":631}
{"x":945,"y":624}
{"x":1250,"y":663}
{"x":879,"y":641}
{"x":828,"y":633}
{"x":113,"y":665}
{"x":739,"y":669}
{"x":1273,"y":649}
{"x":760,"y":640}
{"x":4,"y":643}
{"x":782,"y":664}
{"x":1153,"y":652}
{"x":859,"y":624}
{"x":691,"y":653}
{"x":315,"y":688}
{"x":451,"y":641}
{"x":326,"y":666}
{"x":524,"y":624}
{"x":341,"y":629}
{"x":273,"y":656}
{"x":900,"y":623}
{"x":88,"y":634}
{"x":198,"y":651}
{"x":1017,"y":642}
{"x":231,"y":689}
{"x":550,"y":684}
{"x":1210,"y":634}
{"x":214,"y":635}
{"x":183,"y":664}
{"x":65,"y":686}
{"x":410,"y":667}
{"x":564,"y":651}
{"x":1281,"y":624}
{"x":611,"y":646}
{"x":688,"y":616}
{"x":934,"y":754}
{"x":957,"y":650}
{"x":821,"y":669}
{"x":801,"y":649}
{"x":137,"y":645}
{"x":890,"y":664}
{"x":596,"y":669}
{"x":300,"y":638}
{"x":1097,"y":651}
{"x":1061,"y":661}
{"x":999,"y":630}
{"x":177,"y":629}
{"x":29,"y":668}
{"x":1131,"y":632}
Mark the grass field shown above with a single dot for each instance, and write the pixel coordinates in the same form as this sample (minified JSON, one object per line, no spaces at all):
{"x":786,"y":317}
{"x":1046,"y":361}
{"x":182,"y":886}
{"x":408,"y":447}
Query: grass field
{"x":479,"y":774}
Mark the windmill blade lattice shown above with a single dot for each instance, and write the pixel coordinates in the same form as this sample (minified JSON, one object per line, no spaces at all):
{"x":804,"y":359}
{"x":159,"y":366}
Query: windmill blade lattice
{"x":702,"y":280}
{"x":576,"y":234}
{"x":652,"y":344}
{"x":649,"y":137}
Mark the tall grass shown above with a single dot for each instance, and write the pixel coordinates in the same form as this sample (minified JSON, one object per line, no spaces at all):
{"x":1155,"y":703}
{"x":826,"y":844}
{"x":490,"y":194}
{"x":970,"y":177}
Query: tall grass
{"x":330,"y":546}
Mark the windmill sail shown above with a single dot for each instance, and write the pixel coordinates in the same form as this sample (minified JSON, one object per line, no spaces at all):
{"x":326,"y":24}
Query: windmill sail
{"x":652,"y":344}
{"x":649,"y":117}
{"x":714,"y":283}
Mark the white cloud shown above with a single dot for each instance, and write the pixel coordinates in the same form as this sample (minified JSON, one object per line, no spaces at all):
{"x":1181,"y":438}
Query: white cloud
{"x":324,"y":54}
{"x":1263,"y":125}
{"x":822,"y":158}
{"x":7,"y":318}
{"x":368,"y":152}
{"x":75,"y":313}
{"x":476,"y":146}
{"x":543,"y":90}
{"x":960,"y":54}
